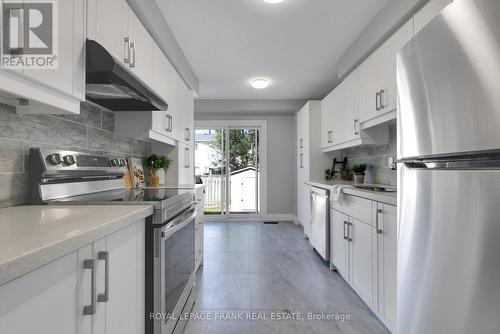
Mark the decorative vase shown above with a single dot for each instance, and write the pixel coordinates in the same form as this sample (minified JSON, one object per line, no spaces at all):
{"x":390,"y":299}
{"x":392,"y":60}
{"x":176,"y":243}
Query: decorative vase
{"x":359,"y":178}
{"x":161,"y":175}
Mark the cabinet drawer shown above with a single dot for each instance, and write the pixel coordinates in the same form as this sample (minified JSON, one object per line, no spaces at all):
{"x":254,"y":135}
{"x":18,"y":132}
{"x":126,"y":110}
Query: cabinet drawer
{"x":356,"y":207}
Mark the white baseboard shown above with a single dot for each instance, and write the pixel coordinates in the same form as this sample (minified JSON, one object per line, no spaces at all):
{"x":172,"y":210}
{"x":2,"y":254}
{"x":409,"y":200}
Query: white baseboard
{"x":260,"y":218}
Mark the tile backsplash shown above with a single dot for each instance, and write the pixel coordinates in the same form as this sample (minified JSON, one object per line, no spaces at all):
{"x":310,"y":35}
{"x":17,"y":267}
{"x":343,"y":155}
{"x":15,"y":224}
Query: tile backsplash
{"x":91,"y":131}
{"x":376,"y":156}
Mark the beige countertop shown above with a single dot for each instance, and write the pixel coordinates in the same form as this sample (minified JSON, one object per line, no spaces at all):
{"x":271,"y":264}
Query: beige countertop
{"x":390,"y":198}
{"x":34,"y":235}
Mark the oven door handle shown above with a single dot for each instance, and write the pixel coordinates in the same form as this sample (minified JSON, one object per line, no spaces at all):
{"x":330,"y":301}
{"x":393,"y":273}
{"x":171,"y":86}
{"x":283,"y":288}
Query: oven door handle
{"x":178,"y":223}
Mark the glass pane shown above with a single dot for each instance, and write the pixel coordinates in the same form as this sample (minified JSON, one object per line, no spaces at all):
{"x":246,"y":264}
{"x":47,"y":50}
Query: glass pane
{"x":243,"y":170}
{"x":210,"y":168}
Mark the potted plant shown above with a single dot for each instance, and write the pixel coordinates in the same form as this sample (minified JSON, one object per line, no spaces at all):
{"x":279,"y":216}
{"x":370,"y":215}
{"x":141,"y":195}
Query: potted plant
{"x":359,"y":172}
{"x":158,"y":165}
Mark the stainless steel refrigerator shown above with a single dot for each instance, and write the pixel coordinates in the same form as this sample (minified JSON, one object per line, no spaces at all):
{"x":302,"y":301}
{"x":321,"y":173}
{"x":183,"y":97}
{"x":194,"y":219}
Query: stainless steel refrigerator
{"x":449,"y":173}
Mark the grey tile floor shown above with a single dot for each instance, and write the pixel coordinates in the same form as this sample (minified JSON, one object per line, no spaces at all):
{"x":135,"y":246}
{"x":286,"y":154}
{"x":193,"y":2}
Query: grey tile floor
{"x":261,"y":270}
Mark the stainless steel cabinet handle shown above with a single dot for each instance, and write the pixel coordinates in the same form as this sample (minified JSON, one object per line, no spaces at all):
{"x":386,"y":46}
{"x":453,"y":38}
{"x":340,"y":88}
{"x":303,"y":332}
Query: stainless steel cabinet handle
{"x":171,"y":123}
{"x":382,"y":98}
{"x":301,"y":160}
{"x":90,"y":309}
{"x":187,"y":158}
{"x":132,"y":62}
{"x":377,"y":99}
{"x":356,"y":132}
{"x":104,"y":297}
{"x":126,"y":44}
{"x":187,"y":135}
{"x":301,"y":141}
{"x":345,"y":235}
{"x":349,"y":224}
{"x":379,"y":231}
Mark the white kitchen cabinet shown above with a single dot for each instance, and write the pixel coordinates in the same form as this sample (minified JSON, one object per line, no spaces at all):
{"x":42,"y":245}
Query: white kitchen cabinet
{"x":331,"y":129}
{"x":54,"y":296}
{"x":58,"y":91}
{"x":432,"y":9}
{"x":141,"y":49}
{"x":198,"y":232}
{"x":311,"y":162}
{"x":339,"y":255}
{"x":362,"y":260}
{"x":185,"y":164}
{"x":363,"y":237}
{"x":43,"y":301}
{"x":387,"y":264}
{"x":349,"y":115}
{"x":69,"y":77}
{"x":377,"y":77}
{"x":108,"y":24}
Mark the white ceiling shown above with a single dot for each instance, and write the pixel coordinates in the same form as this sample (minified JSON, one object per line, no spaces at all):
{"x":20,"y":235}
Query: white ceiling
{"x":296,"y":44}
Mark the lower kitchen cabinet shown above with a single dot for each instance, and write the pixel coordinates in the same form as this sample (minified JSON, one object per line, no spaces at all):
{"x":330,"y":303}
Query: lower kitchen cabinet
{"x":364,"y":252}
{"x":387,"y":264}
{"x":198,"y":230}
{"x":97,"y":289}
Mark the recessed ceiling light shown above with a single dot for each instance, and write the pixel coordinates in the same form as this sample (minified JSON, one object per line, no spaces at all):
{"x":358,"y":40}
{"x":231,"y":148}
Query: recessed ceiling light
{"x":273,"y":1}
{"x":259,"y":83}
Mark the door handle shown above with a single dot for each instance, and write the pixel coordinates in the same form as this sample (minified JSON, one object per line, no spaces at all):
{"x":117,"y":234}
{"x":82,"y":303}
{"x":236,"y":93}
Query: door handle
{"x":187,"y":135}
{"x":349,"y":224}
{"x":171,"y":123}
{"x":126,"y":44}
{"x":345,"y":235}
{"x":187,"y":158}
{"x":90,"y":309}
{"x":301,"y":141}
{"x":132,"y":61}
{"x":104,"y":297}
{"x":301,"y":160}
{"x":382,"y":98}
{"x":379,"y":231}
{"x":356,"y":132}
{"x":377,"y":99}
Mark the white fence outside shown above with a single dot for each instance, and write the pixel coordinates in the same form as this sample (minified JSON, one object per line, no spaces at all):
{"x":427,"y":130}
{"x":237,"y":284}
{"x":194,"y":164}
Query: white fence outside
{"x":213,"y":191}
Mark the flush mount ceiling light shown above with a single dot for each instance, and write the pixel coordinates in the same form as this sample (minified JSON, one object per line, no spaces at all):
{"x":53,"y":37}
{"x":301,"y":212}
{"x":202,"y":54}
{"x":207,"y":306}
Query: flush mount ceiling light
{"x":273,"y":1}
{"x":260,"y":83}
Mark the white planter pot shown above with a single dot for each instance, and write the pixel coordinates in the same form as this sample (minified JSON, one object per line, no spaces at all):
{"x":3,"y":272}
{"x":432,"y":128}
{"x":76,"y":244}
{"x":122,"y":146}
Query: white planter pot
{"x":359,"y":178}
{"x":161,"y":175}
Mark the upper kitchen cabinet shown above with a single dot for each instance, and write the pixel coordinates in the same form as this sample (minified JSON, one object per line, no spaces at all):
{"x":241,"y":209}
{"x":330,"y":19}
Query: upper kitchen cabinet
{"x":432,"y":9}
{"x":53,"y":91}
{"x":377,"y":77}
{"x":331,"y":130}
{"x":123,"y":36}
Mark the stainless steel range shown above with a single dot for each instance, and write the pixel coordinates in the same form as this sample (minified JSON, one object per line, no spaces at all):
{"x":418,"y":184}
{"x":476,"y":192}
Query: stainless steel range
{"x":68,"y":177}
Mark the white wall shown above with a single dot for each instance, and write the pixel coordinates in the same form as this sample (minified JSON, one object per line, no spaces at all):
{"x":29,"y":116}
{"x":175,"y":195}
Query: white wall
{"x":281,"y":188}
{"x":388,"y":20}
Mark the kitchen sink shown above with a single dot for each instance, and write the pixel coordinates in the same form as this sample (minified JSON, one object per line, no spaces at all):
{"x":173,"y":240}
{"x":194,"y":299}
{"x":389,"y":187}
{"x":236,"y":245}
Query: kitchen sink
{"x":376,"y":188}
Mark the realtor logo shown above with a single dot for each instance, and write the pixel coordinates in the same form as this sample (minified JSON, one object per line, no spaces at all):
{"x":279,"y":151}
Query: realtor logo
{"x":29,"y":39}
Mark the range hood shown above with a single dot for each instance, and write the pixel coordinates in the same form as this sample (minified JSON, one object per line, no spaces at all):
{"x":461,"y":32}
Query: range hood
{"x":111,"y":85}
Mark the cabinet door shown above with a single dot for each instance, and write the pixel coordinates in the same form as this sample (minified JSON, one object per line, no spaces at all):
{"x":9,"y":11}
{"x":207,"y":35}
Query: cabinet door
{"x":388,"y":52}
{"x":71,"y":39}
{"x":338,"y":243}
{"x":300,"y":128}
{"x":326,"y":120}
{"x":306,"y":200}
{"x":362,"y":260}
{"x":387,"y":264}
{"x":141,"y":47}
{"x":368,"y":90}
{"x":44,"y":301}
{"x":112,"y":27}
{"x":350,"y":108}
{"x":124,"y":270}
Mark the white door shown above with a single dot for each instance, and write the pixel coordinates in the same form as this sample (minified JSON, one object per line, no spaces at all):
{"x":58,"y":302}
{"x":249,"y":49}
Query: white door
{"x":362,"y":260}
{"x":387,"y":264}
{"x":326,"y":120}
{"x":44,"y":301}
{"x":141,"y":58}
{"x":368,"y":90}
{"x":124,"y":271}
{"x":339,"y":254}
{"x":350,"y":108}
{"x":71,"y":40}
{"x":388,"y":52}
{"x":112,"y":27}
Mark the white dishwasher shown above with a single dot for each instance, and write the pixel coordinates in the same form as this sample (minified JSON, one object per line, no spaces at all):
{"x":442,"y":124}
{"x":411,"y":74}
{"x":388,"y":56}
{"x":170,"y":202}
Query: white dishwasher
{"x":320,"y":227}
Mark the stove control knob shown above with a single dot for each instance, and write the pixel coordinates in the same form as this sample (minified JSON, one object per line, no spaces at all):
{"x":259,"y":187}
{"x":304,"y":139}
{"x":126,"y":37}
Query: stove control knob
{"x":54,"y":159}
{"x":69,"y":160}
{"x":115,"y":162}
{"x":123,"y":162}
